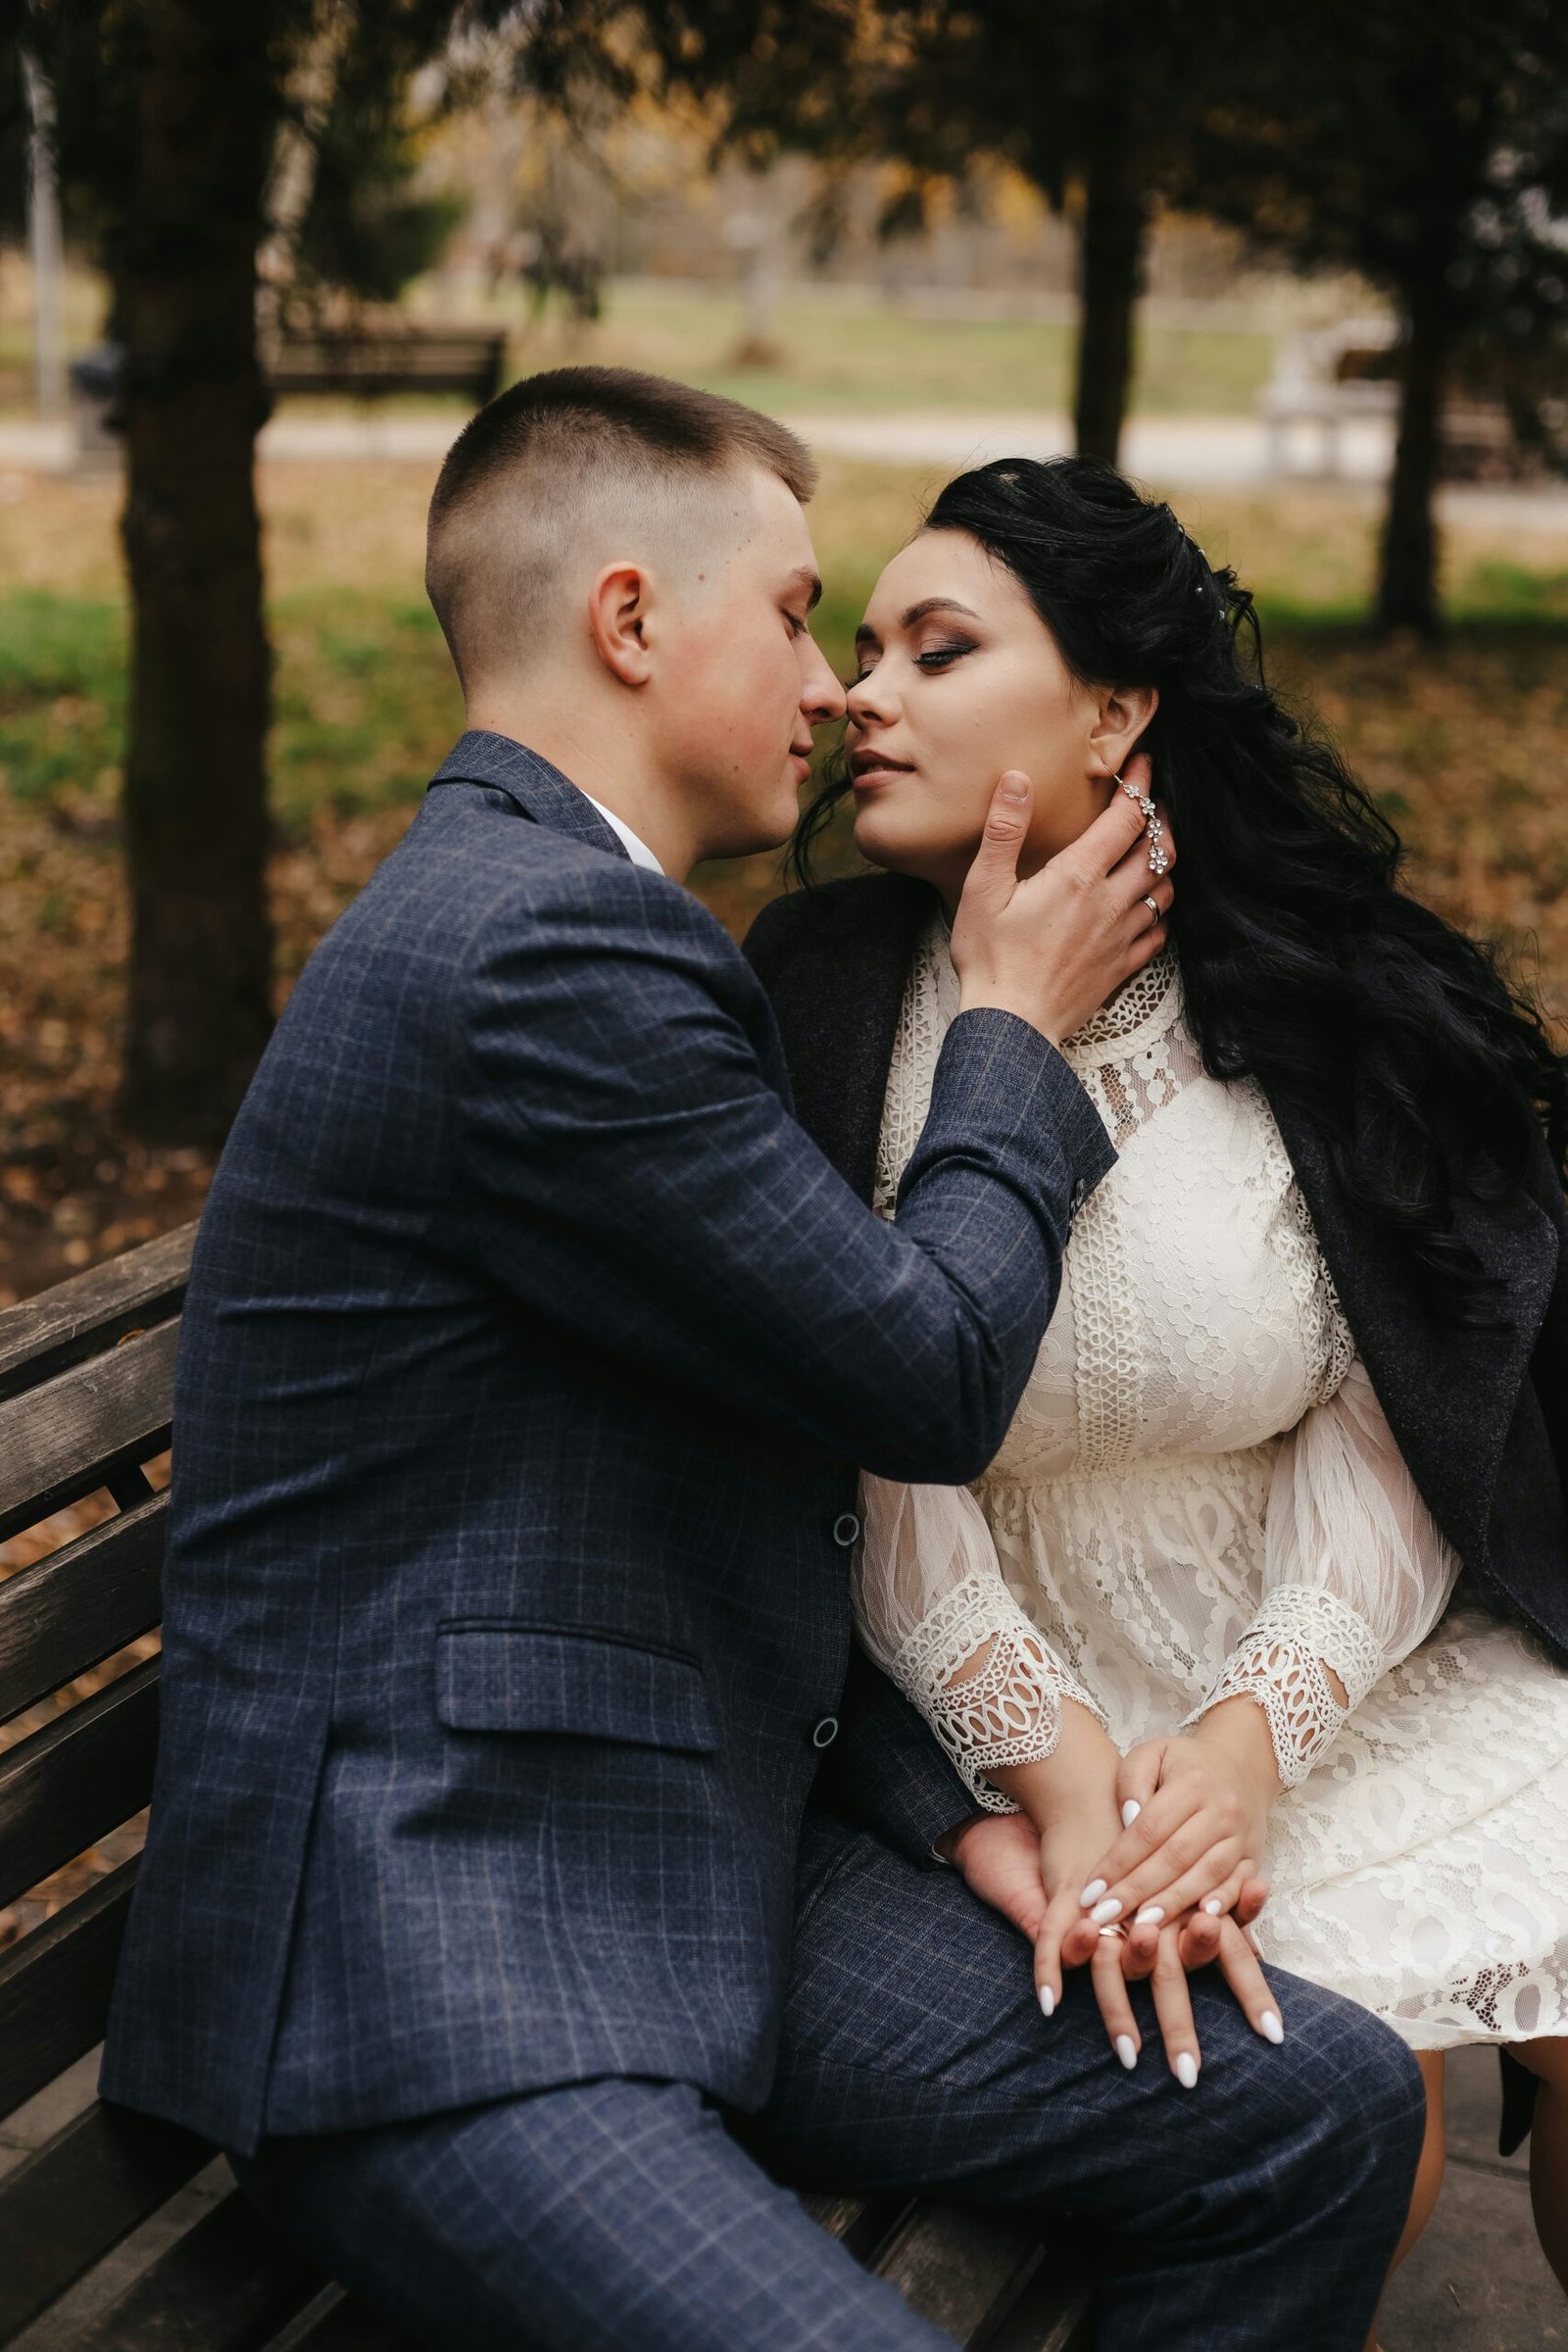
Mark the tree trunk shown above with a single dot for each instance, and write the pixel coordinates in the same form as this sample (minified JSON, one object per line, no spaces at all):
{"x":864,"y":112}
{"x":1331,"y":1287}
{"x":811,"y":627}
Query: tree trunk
{"x":183,"y":258}
{"x":1110,"y":247}
{"x":1407,"y":573}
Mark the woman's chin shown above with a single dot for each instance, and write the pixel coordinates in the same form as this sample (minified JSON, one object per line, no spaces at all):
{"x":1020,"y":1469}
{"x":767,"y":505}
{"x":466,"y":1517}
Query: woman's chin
{"x":887,"y":845}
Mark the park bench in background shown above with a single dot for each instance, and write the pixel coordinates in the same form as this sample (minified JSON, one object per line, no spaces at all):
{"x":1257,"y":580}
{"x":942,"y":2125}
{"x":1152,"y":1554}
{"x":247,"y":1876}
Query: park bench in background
{"x":118,"y":2233}
{"x":1340,"y":376}
{"x":369,"y":360}
{"x":372,"y":361}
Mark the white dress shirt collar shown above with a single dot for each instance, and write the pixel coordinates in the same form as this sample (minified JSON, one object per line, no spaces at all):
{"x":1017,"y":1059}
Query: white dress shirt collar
{"x":637,"y":849}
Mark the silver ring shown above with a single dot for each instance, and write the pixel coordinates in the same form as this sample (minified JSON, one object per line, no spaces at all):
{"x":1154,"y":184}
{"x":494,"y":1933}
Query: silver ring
{"x":1152,"y":903}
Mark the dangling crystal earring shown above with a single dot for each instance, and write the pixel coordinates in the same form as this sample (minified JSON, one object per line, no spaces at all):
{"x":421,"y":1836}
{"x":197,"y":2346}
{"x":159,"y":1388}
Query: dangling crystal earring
{"x":1158,"y":858}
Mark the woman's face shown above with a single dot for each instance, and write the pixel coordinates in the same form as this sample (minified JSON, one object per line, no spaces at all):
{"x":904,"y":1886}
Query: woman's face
{"x":960,"y":679}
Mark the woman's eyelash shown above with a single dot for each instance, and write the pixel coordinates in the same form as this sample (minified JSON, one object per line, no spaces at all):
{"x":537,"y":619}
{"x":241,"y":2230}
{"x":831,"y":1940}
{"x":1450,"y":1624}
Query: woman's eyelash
{"x":934,"y":658}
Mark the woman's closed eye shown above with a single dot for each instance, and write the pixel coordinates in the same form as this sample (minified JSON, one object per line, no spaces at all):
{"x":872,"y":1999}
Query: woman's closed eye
{"x":941,"y":657}
{"x":932,"y":658}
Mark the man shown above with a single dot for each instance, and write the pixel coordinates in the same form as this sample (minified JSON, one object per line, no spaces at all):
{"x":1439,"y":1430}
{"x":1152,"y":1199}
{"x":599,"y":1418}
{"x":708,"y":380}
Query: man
{"x":529,"y":1355}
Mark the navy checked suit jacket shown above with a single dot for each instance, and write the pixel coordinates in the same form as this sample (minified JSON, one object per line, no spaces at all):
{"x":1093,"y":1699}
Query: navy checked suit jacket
{"x":529,"y":1354}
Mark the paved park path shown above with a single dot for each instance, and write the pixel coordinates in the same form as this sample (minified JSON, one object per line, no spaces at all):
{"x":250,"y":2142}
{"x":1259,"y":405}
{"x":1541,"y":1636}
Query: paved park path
{"x":1229,"y":453}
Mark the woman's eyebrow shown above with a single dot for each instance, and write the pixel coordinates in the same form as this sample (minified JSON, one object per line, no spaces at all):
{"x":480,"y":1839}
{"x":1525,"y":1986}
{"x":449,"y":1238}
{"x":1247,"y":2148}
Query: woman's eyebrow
{"x":936,"y":604}
{"x":912,"y":619}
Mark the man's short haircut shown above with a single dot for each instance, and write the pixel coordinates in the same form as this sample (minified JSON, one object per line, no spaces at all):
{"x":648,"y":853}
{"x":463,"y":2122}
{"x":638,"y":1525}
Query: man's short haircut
{"x":539,"y":473}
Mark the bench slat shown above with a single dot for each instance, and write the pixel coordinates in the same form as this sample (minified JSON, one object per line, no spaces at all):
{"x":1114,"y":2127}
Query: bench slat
{"x":55,"y":1986}
{"x":961,"y":2268}
{"x":79,"y":1778}
{"x":228,"y":2285}
{"x":1051,"y":2315}
{"x":353,"y":2326}
{"x":82,"y":1603}
{"x":862,"y":2224}
{"x":88,"y":1313}
{"x":85,"y":2189}
{"x":79,"y":1430}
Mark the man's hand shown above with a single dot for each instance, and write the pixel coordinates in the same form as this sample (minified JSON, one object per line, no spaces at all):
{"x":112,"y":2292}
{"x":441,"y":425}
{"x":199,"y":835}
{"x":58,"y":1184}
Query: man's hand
{"x":1052,"y":948}
{"x":999,"y":1855}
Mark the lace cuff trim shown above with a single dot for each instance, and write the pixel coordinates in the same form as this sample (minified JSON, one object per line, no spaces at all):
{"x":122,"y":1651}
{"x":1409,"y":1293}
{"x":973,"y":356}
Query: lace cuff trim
{"x":1009,"y":1709}
{"x":1282,"y":1660}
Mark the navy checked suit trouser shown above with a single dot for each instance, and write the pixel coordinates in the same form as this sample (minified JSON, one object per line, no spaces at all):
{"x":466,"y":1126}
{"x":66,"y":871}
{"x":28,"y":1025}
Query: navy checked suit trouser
{"x":1258,"y":2210}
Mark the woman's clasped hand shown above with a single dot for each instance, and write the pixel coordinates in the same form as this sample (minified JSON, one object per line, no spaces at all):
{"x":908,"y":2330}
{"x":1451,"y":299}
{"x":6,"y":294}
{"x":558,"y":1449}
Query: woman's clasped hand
{"x":1053,"y":1882}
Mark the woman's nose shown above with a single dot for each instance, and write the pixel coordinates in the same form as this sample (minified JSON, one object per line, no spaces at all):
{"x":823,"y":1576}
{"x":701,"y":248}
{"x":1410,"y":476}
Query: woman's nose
{"x":866,"y":704}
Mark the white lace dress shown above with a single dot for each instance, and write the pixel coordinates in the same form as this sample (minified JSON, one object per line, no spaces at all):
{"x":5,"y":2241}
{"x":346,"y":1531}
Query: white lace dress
{"x":1199,"y":1497}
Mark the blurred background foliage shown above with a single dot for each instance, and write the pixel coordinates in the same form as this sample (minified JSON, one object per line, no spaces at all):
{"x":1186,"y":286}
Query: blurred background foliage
{"x":1084,"y":221}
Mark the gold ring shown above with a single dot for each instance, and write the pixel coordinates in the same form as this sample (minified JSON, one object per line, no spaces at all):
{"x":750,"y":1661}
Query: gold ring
{"x":1117,"y":1930}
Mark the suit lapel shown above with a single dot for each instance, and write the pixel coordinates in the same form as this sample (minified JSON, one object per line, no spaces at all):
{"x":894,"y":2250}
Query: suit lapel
{"x":540,"y":791}
{"x":1449,"y":1390}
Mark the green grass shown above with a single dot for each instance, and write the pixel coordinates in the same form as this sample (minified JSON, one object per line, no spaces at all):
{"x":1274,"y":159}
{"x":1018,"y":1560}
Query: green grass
{"x":61,"y":694}
{"x":363,"y":691}
{"x":850,"y":355}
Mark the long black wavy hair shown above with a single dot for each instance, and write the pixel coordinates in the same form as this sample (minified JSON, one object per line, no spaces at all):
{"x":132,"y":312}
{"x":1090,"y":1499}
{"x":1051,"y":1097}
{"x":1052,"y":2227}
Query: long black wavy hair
{"x":1303,"y":964}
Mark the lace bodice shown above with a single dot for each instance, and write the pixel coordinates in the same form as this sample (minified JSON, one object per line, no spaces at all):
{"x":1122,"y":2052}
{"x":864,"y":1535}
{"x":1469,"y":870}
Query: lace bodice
{"x":1199,"y":1497}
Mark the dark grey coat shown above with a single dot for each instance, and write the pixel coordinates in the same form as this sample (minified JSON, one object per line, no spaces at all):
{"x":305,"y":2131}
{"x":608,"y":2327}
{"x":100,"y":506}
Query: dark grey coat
{"x":1479,"y":1416}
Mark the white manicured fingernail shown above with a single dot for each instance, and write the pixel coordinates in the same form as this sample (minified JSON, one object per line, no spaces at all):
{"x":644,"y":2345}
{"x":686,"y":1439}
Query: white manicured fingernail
{"x":1092,"y":1891}
{"x":1130,"y":1812}
{"x":1150,"y":1916}
{"x":1271,"y":2025}
{"x":1127,"y":2052}
{"x":1213,"y":1906}
{"x":1186,"y":2071}
{"x":1109,"y":1909}
{"x":1048,"y":2001}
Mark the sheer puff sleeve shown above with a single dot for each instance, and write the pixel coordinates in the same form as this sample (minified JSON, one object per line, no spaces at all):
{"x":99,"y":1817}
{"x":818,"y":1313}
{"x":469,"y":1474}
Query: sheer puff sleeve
{"x":1354,"y":1575}
{"x":933,"y":1609}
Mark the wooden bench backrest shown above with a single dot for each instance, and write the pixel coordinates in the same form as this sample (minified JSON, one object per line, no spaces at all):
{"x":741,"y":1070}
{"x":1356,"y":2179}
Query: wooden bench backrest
{"x":86,"y":1382}
{"x":371,"y":360}
{"x":86,"y":1378}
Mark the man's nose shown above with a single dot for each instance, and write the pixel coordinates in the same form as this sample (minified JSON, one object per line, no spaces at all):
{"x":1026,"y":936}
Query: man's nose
{"x":821,"y":694}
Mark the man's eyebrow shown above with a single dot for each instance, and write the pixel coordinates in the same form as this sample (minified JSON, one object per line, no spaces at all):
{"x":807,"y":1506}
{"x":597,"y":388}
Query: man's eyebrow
{"x":805,"y":577}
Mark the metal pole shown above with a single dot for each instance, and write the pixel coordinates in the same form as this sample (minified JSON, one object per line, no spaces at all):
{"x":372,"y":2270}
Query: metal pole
{"x":43,"y":222}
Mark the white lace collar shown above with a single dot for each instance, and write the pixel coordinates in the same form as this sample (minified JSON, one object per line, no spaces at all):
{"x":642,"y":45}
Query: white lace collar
{"x":1142,"y":1008}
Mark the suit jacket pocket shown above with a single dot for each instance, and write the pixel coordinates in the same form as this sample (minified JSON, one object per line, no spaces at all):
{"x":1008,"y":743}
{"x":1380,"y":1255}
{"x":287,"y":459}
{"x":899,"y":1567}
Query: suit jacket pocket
{"x":496,"y":1675}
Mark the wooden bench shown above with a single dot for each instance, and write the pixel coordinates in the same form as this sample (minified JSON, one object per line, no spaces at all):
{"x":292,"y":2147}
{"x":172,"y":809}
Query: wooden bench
{"x":85,"y":1387}
{"x":370,"y":362}
{"x":373,"y":361}
{"x":1333,"y":377}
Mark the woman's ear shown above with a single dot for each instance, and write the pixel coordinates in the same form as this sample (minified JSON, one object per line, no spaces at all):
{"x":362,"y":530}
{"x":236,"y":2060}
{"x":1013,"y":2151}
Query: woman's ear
{"x":1122,"y":715}
{"x":617,"y":618}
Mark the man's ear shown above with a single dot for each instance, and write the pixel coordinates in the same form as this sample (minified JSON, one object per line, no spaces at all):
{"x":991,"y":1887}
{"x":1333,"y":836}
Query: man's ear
{"x":618,"y":615}
{"x":1123,"y":714}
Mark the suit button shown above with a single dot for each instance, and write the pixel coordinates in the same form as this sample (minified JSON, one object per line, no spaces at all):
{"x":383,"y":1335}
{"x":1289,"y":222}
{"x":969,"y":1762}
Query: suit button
{"x":846,"y":1528}
{"x":826,"y":1731}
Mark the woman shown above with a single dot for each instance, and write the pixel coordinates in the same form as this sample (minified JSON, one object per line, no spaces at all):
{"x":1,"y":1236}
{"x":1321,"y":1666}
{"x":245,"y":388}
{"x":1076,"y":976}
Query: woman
{"x":1278,"y":1533}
